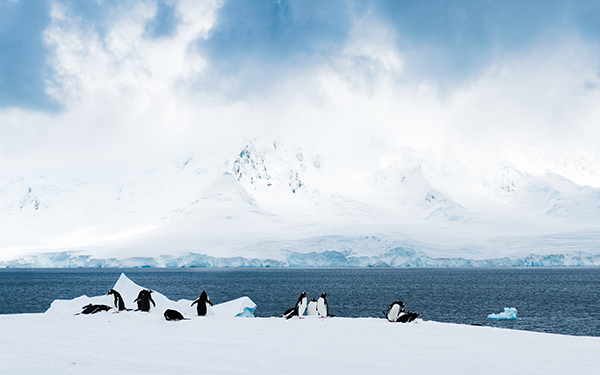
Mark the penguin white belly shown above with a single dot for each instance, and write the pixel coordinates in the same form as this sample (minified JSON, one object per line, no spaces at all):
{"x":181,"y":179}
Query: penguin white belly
{"x":393,"y":313}
{"x":312,"y":308}
{"x":302,"y":307}
{"x":322,"y":307}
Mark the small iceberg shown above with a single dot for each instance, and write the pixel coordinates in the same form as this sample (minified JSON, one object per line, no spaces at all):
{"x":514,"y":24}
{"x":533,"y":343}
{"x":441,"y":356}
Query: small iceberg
{"x":509,"y":313}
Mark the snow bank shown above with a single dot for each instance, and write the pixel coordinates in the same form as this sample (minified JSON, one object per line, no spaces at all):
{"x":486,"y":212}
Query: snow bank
{"x":140,"y":343}
{"x":241,"y":307}
{"x":508,"y":314}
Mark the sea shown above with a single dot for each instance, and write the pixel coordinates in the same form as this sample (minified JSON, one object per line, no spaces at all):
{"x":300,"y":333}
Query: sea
{"x":552,"y":300}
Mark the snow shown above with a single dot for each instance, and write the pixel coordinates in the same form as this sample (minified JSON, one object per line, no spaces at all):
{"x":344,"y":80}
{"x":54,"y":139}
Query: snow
{"x":508,"y":314}
{"x":59,"y":342}
{"x":268,"y":203}
{"x":145,"y":343}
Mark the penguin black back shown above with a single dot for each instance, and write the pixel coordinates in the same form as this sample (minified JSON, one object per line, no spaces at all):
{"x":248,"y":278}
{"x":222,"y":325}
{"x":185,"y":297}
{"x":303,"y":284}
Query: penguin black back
{"x":143,"y":300}
{"x":202,"y":304}
{"x":119,"y":303}
{"x":173,"y":315}
{"x":92,"y":309}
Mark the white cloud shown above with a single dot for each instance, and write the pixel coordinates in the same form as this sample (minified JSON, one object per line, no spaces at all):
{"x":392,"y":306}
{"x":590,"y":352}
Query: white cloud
{"x":130,"y":102}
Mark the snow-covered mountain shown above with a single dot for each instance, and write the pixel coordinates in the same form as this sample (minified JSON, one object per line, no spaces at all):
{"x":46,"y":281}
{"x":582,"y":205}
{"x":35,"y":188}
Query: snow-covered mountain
{"x":275,"y":203}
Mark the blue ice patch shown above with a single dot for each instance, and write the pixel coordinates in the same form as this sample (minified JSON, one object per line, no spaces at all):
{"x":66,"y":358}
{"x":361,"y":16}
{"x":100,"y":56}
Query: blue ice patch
{"x":508,"y":314}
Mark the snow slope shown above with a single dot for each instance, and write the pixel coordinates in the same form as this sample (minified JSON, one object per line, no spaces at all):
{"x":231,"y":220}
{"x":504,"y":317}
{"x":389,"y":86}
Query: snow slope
{"x":264,"y":201}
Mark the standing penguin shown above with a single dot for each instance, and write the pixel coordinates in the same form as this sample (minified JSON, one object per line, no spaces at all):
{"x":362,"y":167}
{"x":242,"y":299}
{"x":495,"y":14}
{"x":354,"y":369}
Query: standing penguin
{"x":395,"y":311}
{"x":323,"y":307}
{"x":312,"y":307}
{"x":203,"y":303}
{"x":119,"y":303}
{"x":143,"y":300}
{"x":297,"y":310}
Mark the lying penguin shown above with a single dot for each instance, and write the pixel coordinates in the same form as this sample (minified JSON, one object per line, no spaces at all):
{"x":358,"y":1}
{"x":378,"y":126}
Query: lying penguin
{"x":202,"y":304}
{"x":297,"y":310}
{"x":396,"y":313}
{"x":143,"y":300}
{"x":92,"y":309}
{"x":174,"y":315}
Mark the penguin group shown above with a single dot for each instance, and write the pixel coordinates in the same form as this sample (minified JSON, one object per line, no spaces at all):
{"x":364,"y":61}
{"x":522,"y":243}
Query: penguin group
{"x":144,"y":302}
{"x":395,"y":312}
{"x":313,"y":308}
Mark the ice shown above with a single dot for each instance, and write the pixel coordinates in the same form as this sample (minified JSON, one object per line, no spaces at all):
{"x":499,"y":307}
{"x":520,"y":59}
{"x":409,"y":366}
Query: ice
{"x":398,"y":256}
{"x":509,"y":313}
{"x":240,"y":307}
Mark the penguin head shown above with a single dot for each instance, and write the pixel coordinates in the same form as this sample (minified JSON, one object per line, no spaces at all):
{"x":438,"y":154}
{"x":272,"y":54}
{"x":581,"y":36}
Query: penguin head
{"x":323,"y":295}
{"x":313,"y":300}
{"x":303,"y":294}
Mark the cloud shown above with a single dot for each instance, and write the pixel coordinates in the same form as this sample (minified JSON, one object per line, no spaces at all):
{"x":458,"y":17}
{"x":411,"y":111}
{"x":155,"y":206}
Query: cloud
{"x":144,"y":82}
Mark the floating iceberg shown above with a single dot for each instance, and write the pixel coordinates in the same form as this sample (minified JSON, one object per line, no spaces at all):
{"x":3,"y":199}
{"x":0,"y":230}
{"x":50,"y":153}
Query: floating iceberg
{"x":508,"y":314}
{"x":240,"y":307}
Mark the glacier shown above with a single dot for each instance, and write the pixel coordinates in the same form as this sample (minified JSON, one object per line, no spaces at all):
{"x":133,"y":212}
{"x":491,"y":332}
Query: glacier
{"x":396,"y":257}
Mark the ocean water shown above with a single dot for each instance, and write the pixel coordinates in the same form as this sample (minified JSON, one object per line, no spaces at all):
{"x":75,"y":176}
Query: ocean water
{"x":555,"y":300}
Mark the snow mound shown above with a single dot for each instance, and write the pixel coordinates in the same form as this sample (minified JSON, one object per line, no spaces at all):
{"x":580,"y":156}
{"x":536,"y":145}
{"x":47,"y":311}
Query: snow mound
{"x":508,"y":314}
{"x":240,"y":307}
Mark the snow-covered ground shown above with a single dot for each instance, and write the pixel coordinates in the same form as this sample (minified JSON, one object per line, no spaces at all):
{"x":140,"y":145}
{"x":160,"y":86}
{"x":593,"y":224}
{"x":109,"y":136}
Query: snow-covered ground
{"x":59,"y":342}
{"x":140,"y":343}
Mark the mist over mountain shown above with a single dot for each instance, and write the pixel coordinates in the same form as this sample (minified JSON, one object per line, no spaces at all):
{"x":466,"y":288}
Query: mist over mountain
{"x":273,"y":200}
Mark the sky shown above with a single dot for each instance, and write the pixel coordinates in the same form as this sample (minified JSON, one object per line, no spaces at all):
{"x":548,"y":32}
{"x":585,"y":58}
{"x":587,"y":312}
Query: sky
{"x":98,"y":89}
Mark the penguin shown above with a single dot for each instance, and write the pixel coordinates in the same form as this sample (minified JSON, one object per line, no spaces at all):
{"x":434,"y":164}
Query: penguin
{"x":143,"y":300}
{"x":395,"y":311}
{"x":203,"y":303}
{"x":301,"y":304}
{"x":92,"y":309}
{"x":119,"y":303}
{"x":174,"y":315}
{"x":323,"y":307}
{"x":297,"y":310}
{"x":312,"y":307}
{"x":408,"y":317}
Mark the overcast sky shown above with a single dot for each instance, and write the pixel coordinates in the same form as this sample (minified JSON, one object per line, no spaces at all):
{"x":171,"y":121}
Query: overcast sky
{"x":102,"y":87}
